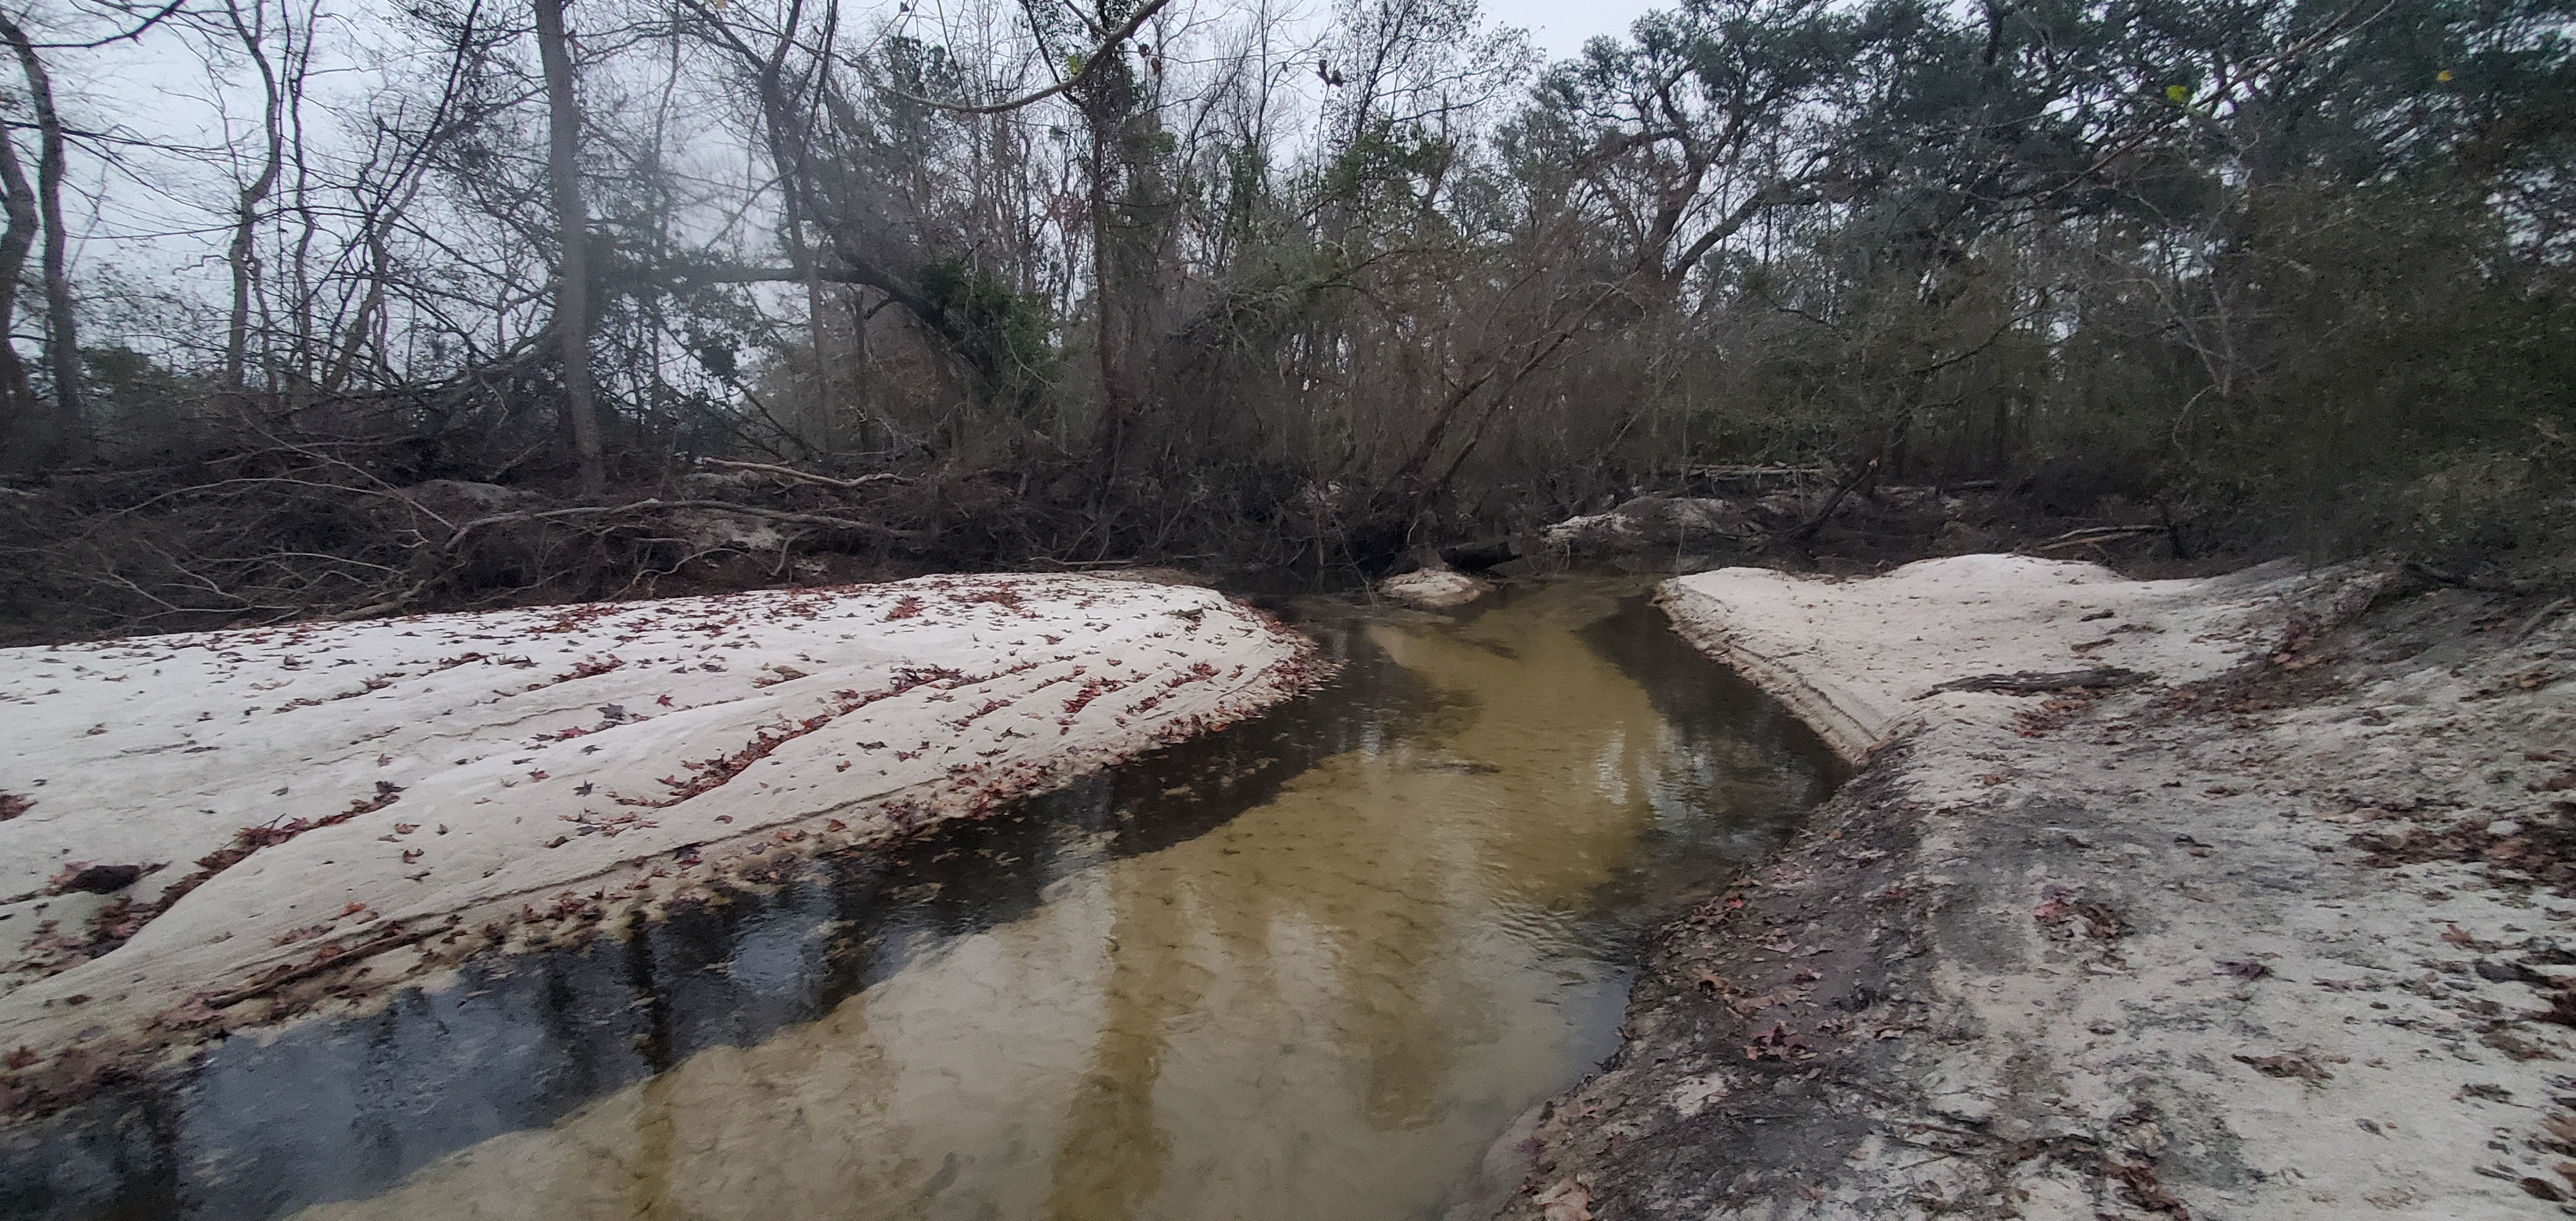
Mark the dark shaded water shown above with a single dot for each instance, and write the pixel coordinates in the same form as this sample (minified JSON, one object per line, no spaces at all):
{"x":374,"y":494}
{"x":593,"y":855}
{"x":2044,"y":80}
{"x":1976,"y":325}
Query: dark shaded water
{"x":1306,"y":967}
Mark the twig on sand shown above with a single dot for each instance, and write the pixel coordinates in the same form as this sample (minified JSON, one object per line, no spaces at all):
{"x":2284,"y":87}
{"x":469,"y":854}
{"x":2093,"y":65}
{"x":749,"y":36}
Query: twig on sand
{"x":2546,"y":613}
{"x":2033,"y":682}
{"x":356,"y":953}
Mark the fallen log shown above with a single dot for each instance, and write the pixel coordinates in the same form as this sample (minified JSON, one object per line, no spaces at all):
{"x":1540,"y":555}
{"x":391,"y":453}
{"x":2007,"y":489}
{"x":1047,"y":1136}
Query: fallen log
{"x":2096,"y":534}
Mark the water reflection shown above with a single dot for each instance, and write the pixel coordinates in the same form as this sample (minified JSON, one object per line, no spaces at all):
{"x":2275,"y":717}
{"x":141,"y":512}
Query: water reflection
{"x":1308,"y":967}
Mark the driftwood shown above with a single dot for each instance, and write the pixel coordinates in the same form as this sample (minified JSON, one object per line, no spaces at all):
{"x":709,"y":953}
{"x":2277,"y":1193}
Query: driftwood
{"x":2034,"y":682}
{"x":789,"y":472}
{"x":2436,"y":575}
{"x":651,"y":505}
{"x":449,"y":550}
{"x":2096,"y":534}
{"x":2546,"y":614}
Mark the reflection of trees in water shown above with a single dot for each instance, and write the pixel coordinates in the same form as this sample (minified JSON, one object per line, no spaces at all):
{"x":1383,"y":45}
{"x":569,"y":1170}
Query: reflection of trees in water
{"x":1112,"y":1156}
{"x":1493,"y":790}
{"x":1332,"y":915}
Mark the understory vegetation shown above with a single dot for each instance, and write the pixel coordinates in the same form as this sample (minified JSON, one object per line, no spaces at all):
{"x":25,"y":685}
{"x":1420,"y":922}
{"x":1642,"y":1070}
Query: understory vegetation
{"x":452,"y":303}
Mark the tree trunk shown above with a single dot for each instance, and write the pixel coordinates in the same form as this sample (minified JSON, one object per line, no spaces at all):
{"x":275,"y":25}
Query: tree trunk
{"x":71,"y":442}
{"x":243,"y":256}
{"x":1128,"y":215}
{"x":572,"y":228}
{"x":17,"y":397}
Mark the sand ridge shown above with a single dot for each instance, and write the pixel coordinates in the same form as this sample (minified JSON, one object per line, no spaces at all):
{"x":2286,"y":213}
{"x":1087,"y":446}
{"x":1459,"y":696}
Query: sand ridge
{"x":412,"y":788}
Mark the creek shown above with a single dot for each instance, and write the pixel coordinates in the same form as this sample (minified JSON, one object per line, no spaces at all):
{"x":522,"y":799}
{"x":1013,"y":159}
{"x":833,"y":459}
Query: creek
{"x":1309,"y":966}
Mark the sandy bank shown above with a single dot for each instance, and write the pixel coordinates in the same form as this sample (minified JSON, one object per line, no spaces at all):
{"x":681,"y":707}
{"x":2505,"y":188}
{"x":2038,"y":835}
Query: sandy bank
{"x":1435,"y":588}
{"x":255,"y":807}
{"x":2254,"y":915}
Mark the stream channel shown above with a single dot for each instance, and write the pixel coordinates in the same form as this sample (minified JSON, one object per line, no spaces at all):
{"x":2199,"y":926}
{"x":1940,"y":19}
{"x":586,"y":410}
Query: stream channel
{"x":1310,"y":966}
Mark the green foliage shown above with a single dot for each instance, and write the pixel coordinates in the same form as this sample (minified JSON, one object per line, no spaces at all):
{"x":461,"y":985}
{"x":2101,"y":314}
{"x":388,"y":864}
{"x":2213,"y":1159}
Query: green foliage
{"x":1004,"y":333}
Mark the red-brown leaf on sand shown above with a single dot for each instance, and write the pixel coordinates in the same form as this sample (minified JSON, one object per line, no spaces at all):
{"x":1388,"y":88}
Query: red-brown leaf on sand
{"x":1569,"y":1200}
{"x":2143,"y":1189}
{"x":2090,"y":920}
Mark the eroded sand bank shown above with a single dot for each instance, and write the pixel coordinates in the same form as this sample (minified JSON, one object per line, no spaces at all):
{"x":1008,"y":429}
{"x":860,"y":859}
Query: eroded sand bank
{"x":2262,"y":920}
{"x":267,"y":804}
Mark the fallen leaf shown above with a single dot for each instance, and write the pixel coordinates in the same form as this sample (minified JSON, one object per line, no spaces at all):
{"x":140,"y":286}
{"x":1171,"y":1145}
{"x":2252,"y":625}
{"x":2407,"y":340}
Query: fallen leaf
{"x":2140,"y":1179}
{"x":2246,"y":969}
{"x":2091,"y":920}
{"x":1567,"y":1201}
{"x":2286,"y":1066}
{"x":306,"y":933}
{"x":194,"y":1012}
{"x":2457,"y":935}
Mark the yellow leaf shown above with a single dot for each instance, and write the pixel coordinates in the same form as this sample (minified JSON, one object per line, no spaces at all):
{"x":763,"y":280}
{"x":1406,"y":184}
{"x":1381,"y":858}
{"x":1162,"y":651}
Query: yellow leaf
{"x":2176,"y":93}
{"x":2443,"y":76}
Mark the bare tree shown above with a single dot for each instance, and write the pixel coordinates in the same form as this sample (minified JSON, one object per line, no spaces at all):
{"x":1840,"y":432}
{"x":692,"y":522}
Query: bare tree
{"x":18,"y":405}
{"x":71,"y":439}
{"x":572,"y":231}
{"x":251,"y":30}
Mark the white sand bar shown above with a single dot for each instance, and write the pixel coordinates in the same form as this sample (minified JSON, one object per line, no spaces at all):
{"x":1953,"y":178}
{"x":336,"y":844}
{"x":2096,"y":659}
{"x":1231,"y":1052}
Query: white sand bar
{"x":513,"y":766}
{"x":1858,"y":659}
{"x":2272,"y":1006}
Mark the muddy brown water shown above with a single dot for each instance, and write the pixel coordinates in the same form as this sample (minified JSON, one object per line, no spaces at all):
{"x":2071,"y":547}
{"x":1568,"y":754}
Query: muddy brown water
{"x":1307,"y":967}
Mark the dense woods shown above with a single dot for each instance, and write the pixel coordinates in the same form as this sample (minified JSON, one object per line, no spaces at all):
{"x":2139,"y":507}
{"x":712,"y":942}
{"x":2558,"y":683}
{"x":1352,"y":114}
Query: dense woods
{"x":458,"y":302}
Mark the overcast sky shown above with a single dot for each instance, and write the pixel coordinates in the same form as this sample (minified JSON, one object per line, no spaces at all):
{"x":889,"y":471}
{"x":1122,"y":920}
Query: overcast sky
{"x":1559,"y":29}
{"x":160,"y":91}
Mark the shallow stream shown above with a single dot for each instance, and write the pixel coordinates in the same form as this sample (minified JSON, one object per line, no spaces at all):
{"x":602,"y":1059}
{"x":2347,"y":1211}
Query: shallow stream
{"x":1307,"y":967}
